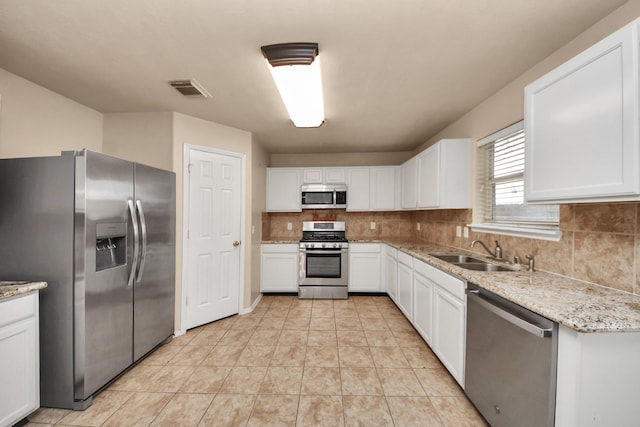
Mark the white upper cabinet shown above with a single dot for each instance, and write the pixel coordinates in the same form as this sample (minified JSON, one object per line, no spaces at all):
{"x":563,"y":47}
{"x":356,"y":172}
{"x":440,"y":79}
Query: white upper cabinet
{"x":283,"y":189}
{"x":334,"y":176}
{"x":582,"y":124}
{"x":384,"y":194}
{"x":323,"y":176}
{"x":358,"y":189}
{"x":409,"y":173}
{"x":438,"y":177}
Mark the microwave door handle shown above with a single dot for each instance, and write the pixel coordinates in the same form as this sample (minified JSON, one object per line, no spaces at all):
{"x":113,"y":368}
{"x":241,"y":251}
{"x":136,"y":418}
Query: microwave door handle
{"x":143,"y":227}
{"x":136,"y":243}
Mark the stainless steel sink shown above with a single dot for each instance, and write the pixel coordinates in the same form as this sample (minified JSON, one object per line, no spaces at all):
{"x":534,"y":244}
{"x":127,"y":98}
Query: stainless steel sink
{"x":481,"y":266}
{"x":457,"y":258}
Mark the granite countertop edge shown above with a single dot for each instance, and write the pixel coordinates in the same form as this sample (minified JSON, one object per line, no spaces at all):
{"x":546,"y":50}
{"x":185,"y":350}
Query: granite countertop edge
{"x":10,"y":289}
{"x":578,"y":305}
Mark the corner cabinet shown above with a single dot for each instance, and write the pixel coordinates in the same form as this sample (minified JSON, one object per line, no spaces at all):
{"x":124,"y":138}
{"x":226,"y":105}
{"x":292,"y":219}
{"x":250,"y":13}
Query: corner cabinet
{"x":390,"y":271}
{"x":19,"y":358}
{"x":279,"y":267}
{"x":404,"y":299}
{"x":582,"y":123}
{"x":283,"y":189}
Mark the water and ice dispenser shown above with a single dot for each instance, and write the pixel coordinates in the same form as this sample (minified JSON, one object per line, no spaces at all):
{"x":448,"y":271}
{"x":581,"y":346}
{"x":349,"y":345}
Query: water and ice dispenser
{"x":111,"y":245}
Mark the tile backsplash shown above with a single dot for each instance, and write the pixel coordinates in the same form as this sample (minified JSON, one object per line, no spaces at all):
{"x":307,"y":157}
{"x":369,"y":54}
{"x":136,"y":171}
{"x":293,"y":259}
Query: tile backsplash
{"x":600,"y":242}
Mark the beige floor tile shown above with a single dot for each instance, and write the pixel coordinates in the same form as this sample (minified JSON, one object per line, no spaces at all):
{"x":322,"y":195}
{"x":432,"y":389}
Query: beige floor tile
{"x":322,"y":303}
{"x":271,"y":410}
{"x":293,"y":337}
{"x":413,"y":411}
{"x":245,"y":322}
{"x":365,"y":411}
{"x":137,"y":379}
{"x":296,"y":322}
{"x":352,"y":338}
{"x":368,"y":312}
{"x":170,"y":378}
{"x":457,"y":412}
{"x":223,"y":355}
{"x":322,"y":339}
{"x":271,"y":323}
{"x":346,"y":312}
{"x":355,"y":357}
{"x":438,"y":382}
{"x":186,"y":338}
{"x":400,"y":326}
{"x":320,"y":411}
{"x":162,"y":355}
{"x":323,"y":323}
{"x":400,"y":382}
{"x":236,"y":337}
{"x":190,"y":355}
{"x":228,"y":410}
{"x":243,"y":379}
{"x":322,"y":312}
{"x":139,"y":410}
{"x":289,"y":355}
{"x":325,"y":357}
{"x":348,"y":324}
{"x":373,"y":324}
{"x":300,"y":311}
{"x":389,"y":357}
{"x":104,"y":406}
{"x":360,"y":382}
{"x":421,"y":357}
{"x":183,"y":410}
{"x":408,"y":339}
{"x":206,"y":379}
{"x":380,"y":339}
{"x":276,"y":312}
{"x":324,"y":381}
{"x":282,"y":380}
{"x":222,"y":324}
{"x":265,"y":337}
{"x":48,"y":415}
{"x":208,"y":338}
{"x":256,"y":355}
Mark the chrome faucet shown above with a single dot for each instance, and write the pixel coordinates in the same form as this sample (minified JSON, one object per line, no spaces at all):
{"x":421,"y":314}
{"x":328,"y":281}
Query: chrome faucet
{"x":532,"y":263}
{"x":498,"y":252}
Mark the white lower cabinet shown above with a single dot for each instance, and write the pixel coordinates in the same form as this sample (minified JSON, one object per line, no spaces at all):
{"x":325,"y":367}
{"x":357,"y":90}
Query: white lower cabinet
{"x":390,"y":271}
{"x":449,"y":326}
{"x":365,"y":267}
{"x":19,"y":358}
{"x":279,"y":267}
{"x":405,"y":285}
{"x":422,"y":302}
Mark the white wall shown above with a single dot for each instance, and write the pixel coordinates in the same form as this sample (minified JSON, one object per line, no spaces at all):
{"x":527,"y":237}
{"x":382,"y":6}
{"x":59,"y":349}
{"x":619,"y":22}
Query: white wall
{"x":260,"y":161}
{"x":35,"y":121}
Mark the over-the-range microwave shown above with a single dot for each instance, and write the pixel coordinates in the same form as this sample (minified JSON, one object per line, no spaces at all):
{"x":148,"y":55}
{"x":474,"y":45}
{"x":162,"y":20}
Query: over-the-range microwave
{"x":319,"y":196}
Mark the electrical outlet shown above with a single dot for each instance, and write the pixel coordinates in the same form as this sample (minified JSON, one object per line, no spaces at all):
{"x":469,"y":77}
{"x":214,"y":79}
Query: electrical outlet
{"x":418,"y":226}
{"x":465,"y":232}
{"x":289,"y":226}
{"x":373,"y":225}
{"x":458,"y":231}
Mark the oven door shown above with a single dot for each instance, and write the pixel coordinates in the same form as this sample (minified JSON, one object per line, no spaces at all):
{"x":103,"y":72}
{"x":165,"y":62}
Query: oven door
{"x":323,"y":267}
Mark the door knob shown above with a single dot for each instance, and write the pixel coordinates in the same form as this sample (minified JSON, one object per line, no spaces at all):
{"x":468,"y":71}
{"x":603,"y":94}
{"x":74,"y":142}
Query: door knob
{"x":236,"y":243}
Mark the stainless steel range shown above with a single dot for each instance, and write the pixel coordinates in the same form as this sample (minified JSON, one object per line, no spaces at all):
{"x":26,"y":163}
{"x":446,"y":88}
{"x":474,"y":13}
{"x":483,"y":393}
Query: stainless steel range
{"x":324,"y":260}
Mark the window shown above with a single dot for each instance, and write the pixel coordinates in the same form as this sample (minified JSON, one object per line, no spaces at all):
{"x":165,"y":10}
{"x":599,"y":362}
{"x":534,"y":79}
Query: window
{"x":500,"y":194}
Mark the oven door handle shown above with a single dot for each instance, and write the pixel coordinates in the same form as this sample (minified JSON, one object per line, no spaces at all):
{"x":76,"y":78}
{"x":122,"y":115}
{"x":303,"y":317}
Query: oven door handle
{"x":324,"y":251}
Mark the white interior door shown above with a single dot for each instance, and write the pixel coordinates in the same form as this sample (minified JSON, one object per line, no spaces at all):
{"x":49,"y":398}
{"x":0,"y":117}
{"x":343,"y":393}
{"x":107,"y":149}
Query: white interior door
{"x":213,"y":237}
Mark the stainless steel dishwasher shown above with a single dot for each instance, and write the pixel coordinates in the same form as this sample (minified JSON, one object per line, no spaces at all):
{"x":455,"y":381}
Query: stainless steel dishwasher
{"x":511,"y":359}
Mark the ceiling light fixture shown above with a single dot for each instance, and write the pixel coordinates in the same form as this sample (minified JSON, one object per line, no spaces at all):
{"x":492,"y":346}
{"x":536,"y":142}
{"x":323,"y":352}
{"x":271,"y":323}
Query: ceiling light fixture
{"x":295,"y":67}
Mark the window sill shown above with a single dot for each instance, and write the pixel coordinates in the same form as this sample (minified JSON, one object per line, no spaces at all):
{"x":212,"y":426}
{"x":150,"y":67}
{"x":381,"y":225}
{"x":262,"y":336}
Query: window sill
{"x":541,"y":233}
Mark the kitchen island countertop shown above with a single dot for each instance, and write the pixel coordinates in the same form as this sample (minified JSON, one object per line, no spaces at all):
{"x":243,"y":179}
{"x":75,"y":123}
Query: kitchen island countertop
{"x":12,"y":288}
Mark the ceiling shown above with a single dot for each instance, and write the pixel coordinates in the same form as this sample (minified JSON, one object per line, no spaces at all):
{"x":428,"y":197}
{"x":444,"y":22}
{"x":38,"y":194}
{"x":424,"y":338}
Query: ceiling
{"x":394,"y":72}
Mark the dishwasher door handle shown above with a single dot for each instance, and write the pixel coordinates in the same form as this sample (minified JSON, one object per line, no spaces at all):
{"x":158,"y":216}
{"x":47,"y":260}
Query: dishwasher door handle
{"x":511,"y":318}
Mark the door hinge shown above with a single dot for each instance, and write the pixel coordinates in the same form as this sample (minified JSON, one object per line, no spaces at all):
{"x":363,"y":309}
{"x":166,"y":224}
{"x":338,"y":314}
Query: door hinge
{"x":188,"y":234}
{"x":189,"y":167}
{"x":187,"y":302}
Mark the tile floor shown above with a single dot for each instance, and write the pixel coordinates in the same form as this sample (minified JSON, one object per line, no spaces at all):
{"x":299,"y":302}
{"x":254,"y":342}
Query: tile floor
{"x":355,"y":362}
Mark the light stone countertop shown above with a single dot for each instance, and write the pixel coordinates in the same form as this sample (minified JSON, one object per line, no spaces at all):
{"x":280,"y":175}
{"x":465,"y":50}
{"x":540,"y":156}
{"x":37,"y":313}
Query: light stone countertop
{"x":10,"y":289}
{"x":578,"y":305}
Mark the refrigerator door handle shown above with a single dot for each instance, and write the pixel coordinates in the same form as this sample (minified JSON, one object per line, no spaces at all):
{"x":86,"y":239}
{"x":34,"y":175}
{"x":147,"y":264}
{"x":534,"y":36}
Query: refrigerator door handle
{"x":143,"y":226}
{"x":136,"y":243}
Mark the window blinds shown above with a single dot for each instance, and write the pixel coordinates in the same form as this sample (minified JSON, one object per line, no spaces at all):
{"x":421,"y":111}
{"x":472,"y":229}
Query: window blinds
{"x":501,"y":181}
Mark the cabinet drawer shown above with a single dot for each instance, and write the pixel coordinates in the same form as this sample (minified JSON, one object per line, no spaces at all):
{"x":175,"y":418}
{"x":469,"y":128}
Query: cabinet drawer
{"x":280,"y":248}
{"x":18,"y":308}
{"x":364,"y":248}
{"x":391,"y":251}
{"x":446,"y":281}
{"x":405,"y":259}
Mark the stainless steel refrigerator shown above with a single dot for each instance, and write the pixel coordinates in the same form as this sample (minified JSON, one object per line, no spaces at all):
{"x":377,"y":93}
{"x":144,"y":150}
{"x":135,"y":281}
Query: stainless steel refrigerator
{"x":101,"y":232}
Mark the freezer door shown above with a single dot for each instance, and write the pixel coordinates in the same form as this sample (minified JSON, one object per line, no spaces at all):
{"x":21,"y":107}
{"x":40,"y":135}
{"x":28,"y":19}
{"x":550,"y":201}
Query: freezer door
{"x":154,"y":285}
{"x":104,"y":252}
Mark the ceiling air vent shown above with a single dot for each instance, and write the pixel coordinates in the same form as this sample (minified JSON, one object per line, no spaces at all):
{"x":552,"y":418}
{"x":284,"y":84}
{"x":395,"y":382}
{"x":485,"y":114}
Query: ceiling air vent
{"x":189,"y":88}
